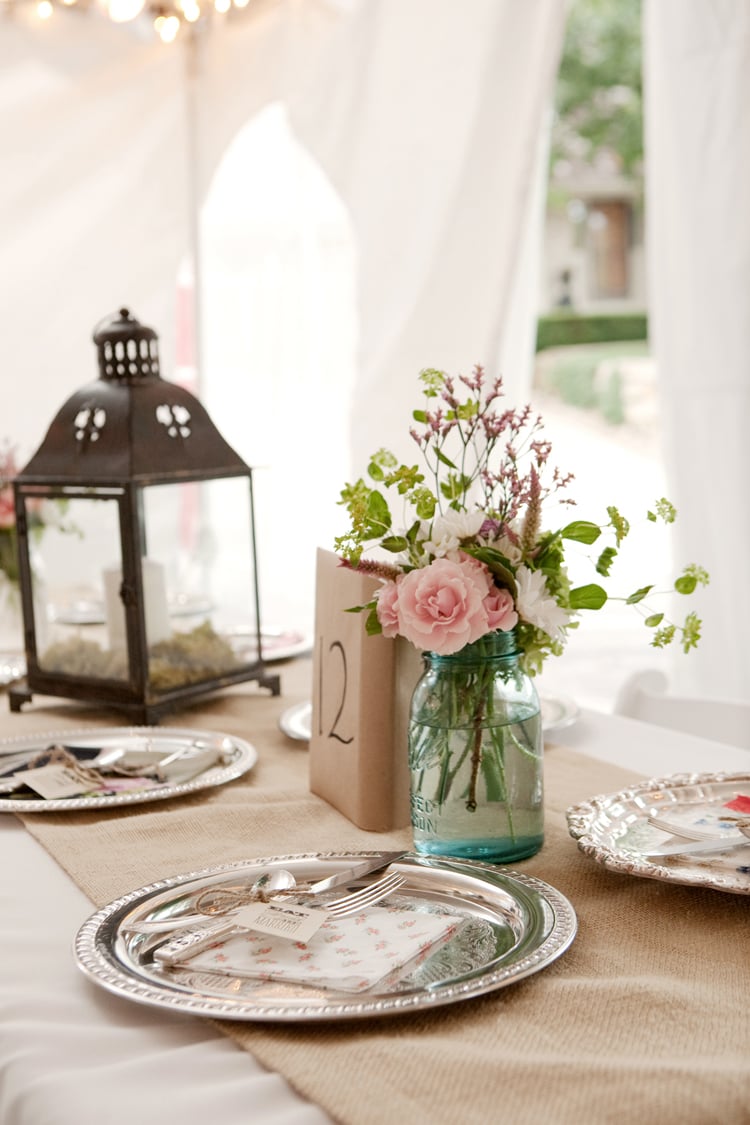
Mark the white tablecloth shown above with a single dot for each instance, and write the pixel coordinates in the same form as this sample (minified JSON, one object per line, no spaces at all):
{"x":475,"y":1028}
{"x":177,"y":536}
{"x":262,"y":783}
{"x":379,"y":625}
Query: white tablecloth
{"x":71,"y":1053}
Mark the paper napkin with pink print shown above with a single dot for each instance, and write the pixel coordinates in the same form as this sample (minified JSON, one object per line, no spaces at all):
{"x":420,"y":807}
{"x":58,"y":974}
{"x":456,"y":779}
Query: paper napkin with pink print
{"x":351,"y":954}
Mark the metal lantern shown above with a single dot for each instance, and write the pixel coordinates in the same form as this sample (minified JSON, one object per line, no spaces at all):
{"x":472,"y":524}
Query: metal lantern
{"x":136,"y":543}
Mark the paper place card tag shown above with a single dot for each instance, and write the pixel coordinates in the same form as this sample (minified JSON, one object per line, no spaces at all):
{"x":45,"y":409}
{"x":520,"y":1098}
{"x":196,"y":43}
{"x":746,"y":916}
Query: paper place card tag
{"x":297,"y":923}
{"x":55,"y":781}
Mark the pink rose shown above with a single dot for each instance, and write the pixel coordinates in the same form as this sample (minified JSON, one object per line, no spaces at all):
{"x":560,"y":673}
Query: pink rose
{"x":501,"y":613}
{"x":440,"y":607}
{"x":7,"y":507}
{"x":387,"y":608}
{"x":479,"y":572}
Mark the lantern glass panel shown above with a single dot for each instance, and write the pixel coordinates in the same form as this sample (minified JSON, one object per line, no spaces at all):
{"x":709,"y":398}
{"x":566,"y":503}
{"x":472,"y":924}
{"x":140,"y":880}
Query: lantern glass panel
{"x":198,"y":541}
{"x":74,"y":563}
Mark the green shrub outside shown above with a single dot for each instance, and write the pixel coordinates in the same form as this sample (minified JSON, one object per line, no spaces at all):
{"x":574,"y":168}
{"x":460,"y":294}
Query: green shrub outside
{"x":560,"y":329}
{"x":571,"y":373}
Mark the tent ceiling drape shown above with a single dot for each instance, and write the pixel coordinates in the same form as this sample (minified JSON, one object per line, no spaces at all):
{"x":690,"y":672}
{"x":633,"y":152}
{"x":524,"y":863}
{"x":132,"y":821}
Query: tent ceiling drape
{"x":425,"y":121}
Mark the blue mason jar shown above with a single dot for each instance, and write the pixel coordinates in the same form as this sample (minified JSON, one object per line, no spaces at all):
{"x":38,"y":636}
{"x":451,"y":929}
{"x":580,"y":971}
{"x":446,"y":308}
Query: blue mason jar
{"x":475,"y":755}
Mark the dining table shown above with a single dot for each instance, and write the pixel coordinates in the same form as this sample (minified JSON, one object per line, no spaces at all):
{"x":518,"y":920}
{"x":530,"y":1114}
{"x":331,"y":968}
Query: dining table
{"x":643,"y":1017}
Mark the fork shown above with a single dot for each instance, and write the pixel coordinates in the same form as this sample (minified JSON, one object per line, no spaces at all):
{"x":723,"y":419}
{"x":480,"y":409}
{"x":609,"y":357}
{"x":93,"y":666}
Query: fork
{"x":696,"y":834}
{"x":367,"y":896}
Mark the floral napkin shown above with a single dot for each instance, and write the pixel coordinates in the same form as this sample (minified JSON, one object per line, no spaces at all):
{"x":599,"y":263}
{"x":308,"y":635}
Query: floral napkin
{"x":350,"y":954}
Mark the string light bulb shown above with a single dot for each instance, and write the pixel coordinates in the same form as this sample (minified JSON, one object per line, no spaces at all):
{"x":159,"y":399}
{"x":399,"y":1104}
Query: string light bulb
{"x":190,"y":10}
{"x":167,"y":16}
{"x":122,"y":11}
{"x":166,"y":27}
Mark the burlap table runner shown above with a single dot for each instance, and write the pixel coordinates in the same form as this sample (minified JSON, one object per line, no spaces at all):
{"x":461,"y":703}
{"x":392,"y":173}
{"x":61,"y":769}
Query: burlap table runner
{"x":645,"y":1017}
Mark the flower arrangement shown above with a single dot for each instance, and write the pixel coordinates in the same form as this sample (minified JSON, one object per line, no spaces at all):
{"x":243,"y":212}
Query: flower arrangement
{"x":470,"y":555}
{"x":41,"y":514}
{"x":469,"y":571}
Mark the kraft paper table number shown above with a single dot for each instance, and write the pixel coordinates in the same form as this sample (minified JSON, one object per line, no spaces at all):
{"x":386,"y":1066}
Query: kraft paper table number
{"x":361,"y":692}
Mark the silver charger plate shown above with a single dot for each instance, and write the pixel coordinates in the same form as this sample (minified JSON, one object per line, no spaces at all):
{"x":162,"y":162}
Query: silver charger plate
{"x":296,"y":721}
{"x":511,"y":925}
{"x":614,"y":829}
{"x":240,"y":756}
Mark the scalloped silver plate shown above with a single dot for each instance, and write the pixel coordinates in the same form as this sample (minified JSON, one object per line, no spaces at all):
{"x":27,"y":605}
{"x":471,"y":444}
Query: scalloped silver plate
{"x":613,"y":829}
{"x":242,"y":757}
{"x":512,"y":926}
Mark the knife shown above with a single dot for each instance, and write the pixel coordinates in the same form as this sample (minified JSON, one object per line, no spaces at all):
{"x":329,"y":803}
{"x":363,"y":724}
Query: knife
{"x":697,"y":847}
{"x":365,"y":867}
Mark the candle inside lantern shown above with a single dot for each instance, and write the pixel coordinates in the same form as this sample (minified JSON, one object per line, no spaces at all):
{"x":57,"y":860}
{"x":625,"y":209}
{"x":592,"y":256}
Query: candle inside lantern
{"x":154,"y":604}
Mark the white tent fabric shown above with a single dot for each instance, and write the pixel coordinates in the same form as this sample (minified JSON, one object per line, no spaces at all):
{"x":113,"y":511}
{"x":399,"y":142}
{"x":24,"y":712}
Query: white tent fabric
{"x":425,"y":119}
{"x":697,"y":86}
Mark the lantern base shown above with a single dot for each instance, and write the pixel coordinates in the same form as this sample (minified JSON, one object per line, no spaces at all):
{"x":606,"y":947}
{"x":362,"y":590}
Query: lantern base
{"x":146,"y":713}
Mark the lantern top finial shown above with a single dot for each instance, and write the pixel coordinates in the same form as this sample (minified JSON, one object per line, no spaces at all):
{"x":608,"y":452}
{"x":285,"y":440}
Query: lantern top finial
{"x":128,"y":351}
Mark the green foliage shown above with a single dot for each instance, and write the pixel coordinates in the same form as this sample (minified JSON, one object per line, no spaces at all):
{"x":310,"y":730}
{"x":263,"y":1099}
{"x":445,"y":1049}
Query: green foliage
{"x":581,"y":531}
{"x":618,"y":523}
{"x":588,"y":597}
{"x":663,"y":510}
{"x":561,"y":329}
{"x":691,"y":632}
{"x":497,"y":563}
{"x":486,"y":465}
{"x":638,"y":595}
{"x":610,"y":399}
{"x":605,"y":560}
{"x":664,"y":637}
{"x":598,"y":102}
{"x":691,"y":577}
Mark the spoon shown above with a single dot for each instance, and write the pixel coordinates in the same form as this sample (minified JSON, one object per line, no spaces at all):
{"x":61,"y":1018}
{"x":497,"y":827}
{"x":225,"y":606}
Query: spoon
{"x":269,"y":881}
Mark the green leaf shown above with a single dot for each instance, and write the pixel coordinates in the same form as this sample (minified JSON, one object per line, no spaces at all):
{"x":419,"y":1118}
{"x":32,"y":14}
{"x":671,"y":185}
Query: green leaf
{"x":426,"y":507}
{"x":581,"y":531}
{"x":605,"y":560}
{"x":395,"y":543}
{"x":639,"y":595}
{"x":685,"y":584}
{"x":588,"y":597}
{"x":497,"y":564}
{"x":443,"y":459}
{"x":424,"y":503}
{"x":419,"y":415}
{"x":378,"y":514}
{"x":651,"y":516}
{"x":372,"y":625}
{"x":374,"y":470}
{"x":654,"y":620}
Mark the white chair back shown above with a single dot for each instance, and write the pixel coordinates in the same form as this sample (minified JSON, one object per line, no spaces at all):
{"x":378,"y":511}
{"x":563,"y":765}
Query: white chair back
{"x":644,"y":696}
